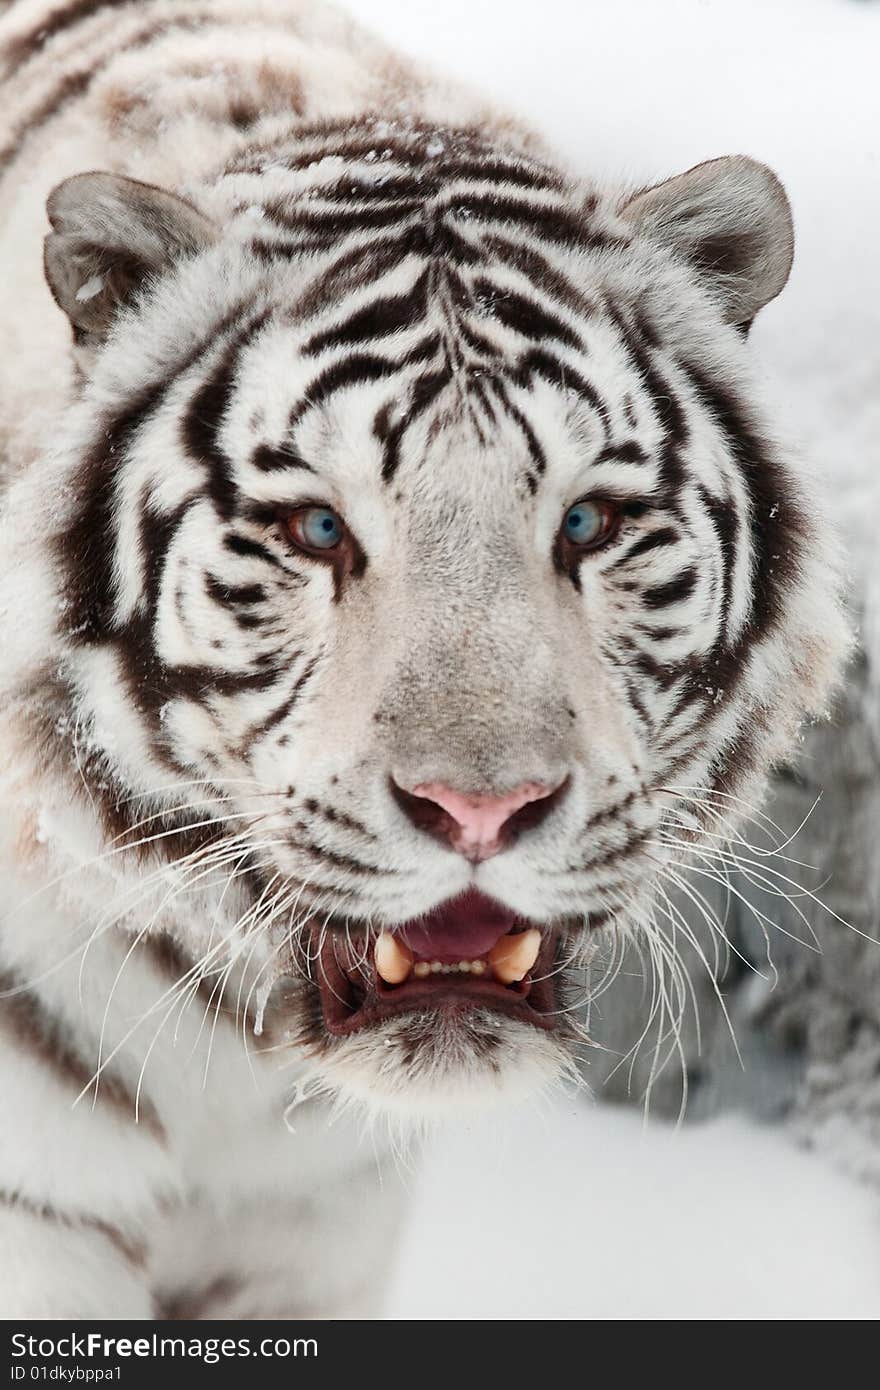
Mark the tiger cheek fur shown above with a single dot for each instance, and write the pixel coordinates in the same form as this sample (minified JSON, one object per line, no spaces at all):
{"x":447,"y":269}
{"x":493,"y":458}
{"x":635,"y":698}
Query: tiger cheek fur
{"x":230,"y":750}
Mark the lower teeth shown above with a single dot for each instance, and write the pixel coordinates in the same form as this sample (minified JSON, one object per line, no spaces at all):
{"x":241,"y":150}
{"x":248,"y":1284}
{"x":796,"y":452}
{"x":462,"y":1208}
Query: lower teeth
{"x":510,"y":959}
{"x":423,"y":968}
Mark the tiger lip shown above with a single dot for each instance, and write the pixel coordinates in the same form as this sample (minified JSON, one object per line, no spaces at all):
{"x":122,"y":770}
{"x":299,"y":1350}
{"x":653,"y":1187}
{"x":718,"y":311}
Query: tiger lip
{"x":469,"y":953}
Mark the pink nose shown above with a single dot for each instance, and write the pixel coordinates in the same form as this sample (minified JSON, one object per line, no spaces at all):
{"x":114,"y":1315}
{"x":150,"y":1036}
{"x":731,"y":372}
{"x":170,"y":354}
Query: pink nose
{"x":476,"y":824}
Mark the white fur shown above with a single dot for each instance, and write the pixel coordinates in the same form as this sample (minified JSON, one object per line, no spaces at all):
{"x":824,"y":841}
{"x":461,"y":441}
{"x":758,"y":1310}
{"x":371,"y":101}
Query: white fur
{"x":470,"y":673}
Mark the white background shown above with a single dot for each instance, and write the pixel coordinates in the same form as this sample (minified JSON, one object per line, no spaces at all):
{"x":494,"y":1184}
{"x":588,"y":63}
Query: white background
{"x":573,"y":1211}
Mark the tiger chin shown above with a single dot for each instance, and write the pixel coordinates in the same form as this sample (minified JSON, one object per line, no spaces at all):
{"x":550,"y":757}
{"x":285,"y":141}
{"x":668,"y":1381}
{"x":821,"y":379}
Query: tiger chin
{"x":399,"y":572}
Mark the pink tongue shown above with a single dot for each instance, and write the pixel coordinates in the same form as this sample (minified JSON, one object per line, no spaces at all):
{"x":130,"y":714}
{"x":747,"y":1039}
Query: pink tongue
{"x":462,"y":929}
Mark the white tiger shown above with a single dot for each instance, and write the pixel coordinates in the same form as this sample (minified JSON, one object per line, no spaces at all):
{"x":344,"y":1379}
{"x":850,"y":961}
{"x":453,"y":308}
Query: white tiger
{"x":396,"y":564}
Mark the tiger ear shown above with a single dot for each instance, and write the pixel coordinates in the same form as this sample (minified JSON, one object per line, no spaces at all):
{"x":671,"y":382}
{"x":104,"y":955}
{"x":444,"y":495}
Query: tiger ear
{"x":109,"y":234}
{"x":731,"y":219}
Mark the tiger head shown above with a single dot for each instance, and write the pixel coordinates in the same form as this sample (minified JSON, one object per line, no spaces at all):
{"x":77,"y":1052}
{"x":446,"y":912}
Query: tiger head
{"x":425,"y":558}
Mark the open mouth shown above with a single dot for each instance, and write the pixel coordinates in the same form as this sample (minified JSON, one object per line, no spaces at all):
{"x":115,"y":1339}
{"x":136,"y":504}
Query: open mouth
{"x":470,"y":952}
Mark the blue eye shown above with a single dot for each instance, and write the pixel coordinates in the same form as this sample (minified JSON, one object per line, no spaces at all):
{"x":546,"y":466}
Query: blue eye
{"x":585,"y":523}
{"x":316,"y":528}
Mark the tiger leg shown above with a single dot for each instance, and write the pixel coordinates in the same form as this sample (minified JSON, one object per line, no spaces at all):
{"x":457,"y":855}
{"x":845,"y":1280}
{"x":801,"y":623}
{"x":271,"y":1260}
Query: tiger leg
{"x":325,"y":1255}
{"x":50,"y":1268}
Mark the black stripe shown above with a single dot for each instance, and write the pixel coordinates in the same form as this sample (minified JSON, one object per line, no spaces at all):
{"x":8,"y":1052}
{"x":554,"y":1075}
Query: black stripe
{"x":195,"y":682}
{"x":354,"y":268}
{"x":132,"y":1249}
{"x":201,"y":424}
{"x":386,"y":315}
{"x":524,"y":315}
{"x":20,"y":49}
{"x":494,"y":169}
{"x":329,"y":856}
{"x":434,"y":176}
{"x":335,"y":817}
{"x":149,"y":682}
{"x":696,"y":690}
{"x":659,"y":634}
{"x":270,"y":460}
{"x":638,"y":340}
{"x":543,"y":275}
{"x":630,"y":452}
{"x":402,"y":190}
{"x":45,"y":1037}
{"x":479,"y":392}
{"x":613,"y":812}
{"x":777,"y":527}
{"x":360,"y":369}
{"x":224,"y":592}
{"x":540,"y":362}
{"x":477,"y":343}
{"x":201,"y":1304}
{"x":662,"y":673}
{"x":674,"y":591}
{"x":390,"y":436}
{"x":555,"y":223}
{"x":635,"y":701}
{"x":327,"y":225}
{"x":654,"y":539}
{"x":250,"y":549}
{"x":536,"y":452}
{"x":259,"y":731}
{"x":440,"y":241}
{"x":85,"y":548}
{"x":156,"y":533}
{"x":723,"y":515}
{"x":610,"y":856}
{"x":357,"y":137}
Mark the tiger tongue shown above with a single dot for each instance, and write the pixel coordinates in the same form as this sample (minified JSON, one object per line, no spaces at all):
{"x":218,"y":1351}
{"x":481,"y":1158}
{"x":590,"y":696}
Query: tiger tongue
{"x":463,"y":928}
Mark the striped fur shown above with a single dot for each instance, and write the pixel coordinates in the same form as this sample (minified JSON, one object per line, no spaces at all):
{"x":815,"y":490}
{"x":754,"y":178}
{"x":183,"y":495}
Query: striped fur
{"x":339,"y":281}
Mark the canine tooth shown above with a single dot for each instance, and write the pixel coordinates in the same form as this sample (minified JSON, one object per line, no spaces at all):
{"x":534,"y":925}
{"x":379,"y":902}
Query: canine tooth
{"x":421,"y":969}
{"x":436,"y":967}
{"x":464,"y":966}
{"x":394,"y":961}
{"x":514,"y":955}
{"x":478,"y":967}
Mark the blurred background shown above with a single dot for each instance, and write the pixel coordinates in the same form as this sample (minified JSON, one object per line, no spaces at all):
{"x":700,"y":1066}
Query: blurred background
{"x":763,"y":1203}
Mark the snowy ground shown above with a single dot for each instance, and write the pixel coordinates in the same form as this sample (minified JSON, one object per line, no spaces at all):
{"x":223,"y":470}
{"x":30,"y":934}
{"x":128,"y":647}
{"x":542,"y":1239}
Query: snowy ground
{"x":577,"y":1213}
{"x":573,"y":1211}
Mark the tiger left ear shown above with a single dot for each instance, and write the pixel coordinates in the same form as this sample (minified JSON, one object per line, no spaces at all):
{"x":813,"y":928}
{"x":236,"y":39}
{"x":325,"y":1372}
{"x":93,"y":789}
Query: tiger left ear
{"x":109,"y":234}
{"x":731,"y":219}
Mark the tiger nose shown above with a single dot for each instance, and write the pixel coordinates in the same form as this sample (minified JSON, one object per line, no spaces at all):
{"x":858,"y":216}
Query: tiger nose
{"x":477,"y":824}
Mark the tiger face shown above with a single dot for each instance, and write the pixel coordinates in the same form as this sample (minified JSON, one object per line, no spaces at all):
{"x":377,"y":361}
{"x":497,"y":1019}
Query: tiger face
{"x":427,"y":526}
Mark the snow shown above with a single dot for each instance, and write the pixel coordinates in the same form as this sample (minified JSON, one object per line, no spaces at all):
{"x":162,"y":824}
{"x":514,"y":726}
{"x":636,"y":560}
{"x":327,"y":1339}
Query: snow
{"x":579,"y":1213}
{"x":574,"y":1211}
{"x":91,"y":288}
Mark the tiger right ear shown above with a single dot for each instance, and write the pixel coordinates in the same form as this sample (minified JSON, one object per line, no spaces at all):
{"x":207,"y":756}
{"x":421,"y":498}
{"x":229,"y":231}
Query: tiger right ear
{"x":731,"y":219}
{"x":109,"y":234}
